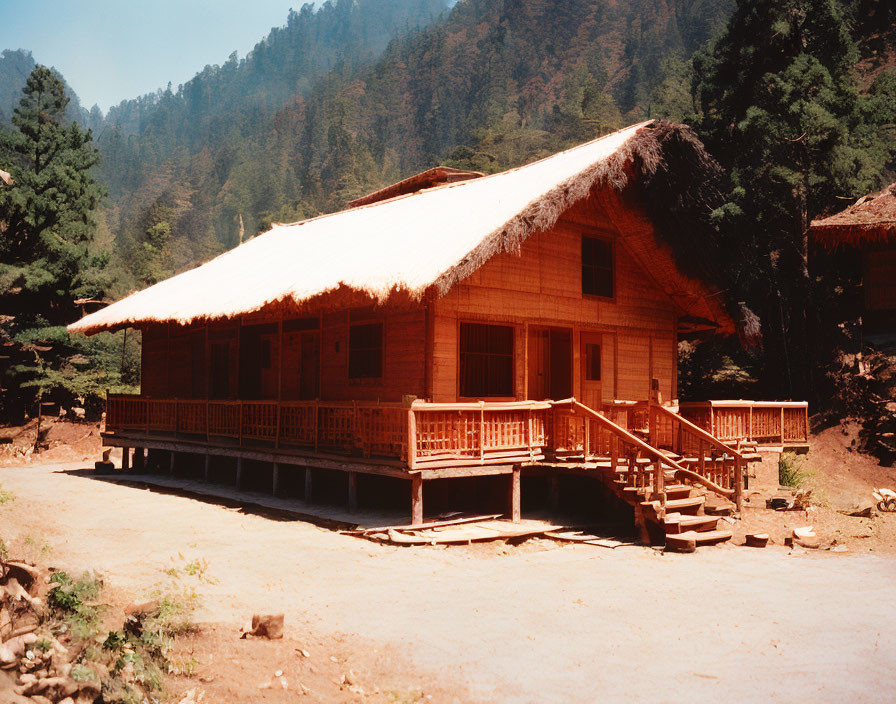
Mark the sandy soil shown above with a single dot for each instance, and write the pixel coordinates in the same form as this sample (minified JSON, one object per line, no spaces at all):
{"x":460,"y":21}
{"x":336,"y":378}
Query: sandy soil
{"x":545,"y":623}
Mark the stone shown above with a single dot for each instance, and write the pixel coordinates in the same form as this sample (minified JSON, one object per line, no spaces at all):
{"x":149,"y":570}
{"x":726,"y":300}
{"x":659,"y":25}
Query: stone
{"x":267,"y":626}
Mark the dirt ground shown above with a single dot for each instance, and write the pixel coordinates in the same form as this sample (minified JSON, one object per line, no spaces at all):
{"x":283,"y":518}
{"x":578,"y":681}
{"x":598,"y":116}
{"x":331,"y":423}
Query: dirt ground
{"x":538,"y":623}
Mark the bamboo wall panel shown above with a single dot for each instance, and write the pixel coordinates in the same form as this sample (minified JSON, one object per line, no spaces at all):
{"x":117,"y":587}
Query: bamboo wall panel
{"x":153,"y":364}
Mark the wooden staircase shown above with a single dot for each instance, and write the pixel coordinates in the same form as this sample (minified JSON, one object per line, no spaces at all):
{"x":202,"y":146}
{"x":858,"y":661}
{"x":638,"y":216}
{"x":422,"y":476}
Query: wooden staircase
{"x":661,"y":484}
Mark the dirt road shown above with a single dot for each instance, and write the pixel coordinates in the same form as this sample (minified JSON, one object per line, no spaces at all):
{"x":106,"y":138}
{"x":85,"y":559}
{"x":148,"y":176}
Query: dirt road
{"x":566,"y":623}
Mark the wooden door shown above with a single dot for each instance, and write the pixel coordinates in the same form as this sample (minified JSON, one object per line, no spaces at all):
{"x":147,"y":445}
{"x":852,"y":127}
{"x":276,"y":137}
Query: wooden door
{"x":538,"y":371}
{"x":592,"y":369}
{"x":561,"y":363}
{"x":309,"y":366}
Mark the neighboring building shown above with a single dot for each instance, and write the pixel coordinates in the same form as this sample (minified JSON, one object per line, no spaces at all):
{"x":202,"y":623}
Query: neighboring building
{"x":479,"y":296}
{"x":868,"y":226}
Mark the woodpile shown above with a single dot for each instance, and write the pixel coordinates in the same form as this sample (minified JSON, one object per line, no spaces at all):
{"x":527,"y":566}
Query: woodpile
{"x":35,"y":666}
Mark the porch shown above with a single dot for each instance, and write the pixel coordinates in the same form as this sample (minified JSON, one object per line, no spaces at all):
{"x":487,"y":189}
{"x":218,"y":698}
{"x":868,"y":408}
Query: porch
{"x":634,"y":446}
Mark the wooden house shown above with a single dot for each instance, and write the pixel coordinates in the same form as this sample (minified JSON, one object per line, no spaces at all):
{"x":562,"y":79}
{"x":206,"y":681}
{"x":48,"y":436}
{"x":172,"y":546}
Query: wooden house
{"x":868,"y":227}
{"x":444,"y":327}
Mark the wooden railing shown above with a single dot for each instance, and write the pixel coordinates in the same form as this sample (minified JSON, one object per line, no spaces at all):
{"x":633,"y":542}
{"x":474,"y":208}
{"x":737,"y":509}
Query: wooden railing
{"x":424,"y":435}
{"x":357,"y":429}
{"x":707,"y":460}
{"x":458,"y":434}
{"x":760,"y":422}
{"x":577,"y":430}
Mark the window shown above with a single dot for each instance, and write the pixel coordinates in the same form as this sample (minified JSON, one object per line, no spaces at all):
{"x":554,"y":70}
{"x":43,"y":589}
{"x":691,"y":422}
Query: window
{"x":597,"y":267}
{"x":365,"y":351}
{"x":486,"y":360}
{"x":592,"y":362}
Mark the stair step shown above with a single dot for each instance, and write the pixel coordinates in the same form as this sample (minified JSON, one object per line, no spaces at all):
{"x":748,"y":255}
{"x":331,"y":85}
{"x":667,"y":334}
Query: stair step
{"x":712,"y":537}
{"x":677,"y":491}
{"x":691,"y":505}
{"x":681,"y":523}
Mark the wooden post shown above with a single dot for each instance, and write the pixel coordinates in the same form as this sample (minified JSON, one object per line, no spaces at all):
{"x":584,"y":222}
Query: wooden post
{"x":782,"y":426}
{"x":239,"y":472}
{"x":125,"y":459}
{"x":171,"y":464}
{"x":482,"y":432}
{"x":275,"y":479}
{"x":206,"y":472}
{"x":555,"y":491}
{"x":739,"y":484}
{"x":308,"y":486}
{"x":514,"y":495}
{"x":412,"y":439}
{"x":139,"y":459}
{"x":417,"y":500}
{"x":352,"y":492}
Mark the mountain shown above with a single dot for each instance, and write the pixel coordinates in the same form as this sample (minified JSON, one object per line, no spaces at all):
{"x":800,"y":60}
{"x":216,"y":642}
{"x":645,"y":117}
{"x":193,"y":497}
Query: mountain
{"x":309,"y":120}
{"x":15,"y":65}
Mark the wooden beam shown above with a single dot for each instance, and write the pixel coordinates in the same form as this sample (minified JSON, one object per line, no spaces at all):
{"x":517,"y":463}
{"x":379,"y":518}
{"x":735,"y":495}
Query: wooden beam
{"x":417,"y":501}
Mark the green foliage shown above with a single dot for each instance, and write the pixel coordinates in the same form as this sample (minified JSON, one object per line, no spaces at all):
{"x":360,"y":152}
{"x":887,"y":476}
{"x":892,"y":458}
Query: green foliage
{"x":72,"y":604}
{"x":6,"y":496}
{"x":792,"y":471}
{"x":47,"y":260}
{"x":781,"y":111}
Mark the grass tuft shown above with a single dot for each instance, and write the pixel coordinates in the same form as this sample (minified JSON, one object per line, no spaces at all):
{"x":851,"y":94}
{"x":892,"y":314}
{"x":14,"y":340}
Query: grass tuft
{"x":792,"y":471}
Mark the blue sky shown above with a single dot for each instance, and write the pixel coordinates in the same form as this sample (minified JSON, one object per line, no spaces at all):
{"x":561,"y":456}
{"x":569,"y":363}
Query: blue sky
{"x":110,"y":50}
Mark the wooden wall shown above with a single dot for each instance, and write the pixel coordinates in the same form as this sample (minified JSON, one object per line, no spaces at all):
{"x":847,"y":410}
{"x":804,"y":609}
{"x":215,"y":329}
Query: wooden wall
{"x":879,"y":278}
{"x":542,"y":287}
{"x":177,"y":360}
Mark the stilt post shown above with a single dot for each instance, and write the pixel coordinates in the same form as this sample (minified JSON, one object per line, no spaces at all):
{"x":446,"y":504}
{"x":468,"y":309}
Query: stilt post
{"x":207,"y":470}
{"x":352,"y":492}
{"x":125,"y":459}
{"x":308,"y":485}
{"x":514,"y":495}
{"x":239,"y":472}
{"x":417,"y":500}
{"x":275,"y":479}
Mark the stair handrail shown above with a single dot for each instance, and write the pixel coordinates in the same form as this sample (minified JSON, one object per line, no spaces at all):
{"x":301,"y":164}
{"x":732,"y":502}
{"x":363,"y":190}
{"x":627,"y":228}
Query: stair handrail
{"x":619,"y":430}
{"x":660,"y":458}
{"x":739,"y":460}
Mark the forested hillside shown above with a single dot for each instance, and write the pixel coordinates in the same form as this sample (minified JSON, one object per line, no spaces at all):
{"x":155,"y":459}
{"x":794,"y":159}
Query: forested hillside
{"x":490,"y":85}
{"x":795,"y":98}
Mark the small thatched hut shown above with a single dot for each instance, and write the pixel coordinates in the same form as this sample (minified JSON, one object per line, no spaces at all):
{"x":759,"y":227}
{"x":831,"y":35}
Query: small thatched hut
{"x":869,"y":225}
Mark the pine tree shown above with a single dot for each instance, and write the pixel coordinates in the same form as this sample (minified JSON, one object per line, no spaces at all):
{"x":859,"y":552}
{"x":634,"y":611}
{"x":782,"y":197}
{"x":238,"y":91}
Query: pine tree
{"x":782,"y":113}
{"x":48,"y":213}
{"x":46,"y":261}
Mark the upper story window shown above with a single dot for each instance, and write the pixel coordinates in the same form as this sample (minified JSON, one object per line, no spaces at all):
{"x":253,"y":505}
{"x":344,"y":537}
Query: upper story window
{"x":597,"y":268}
{"x":365,"y":351}
{"x":486,"y":360}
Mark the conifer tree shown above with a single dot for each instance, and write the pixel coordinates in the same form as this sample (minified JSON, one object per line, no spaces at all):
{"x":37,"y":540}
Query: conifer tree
{"x":48,"y":212}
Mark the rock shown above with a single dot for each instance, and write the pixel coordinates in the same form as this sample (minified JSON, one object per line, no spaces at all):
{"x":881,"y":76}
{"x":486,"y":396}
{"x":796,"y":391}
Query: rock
{"x":40,"y":699}
{"x":839,"y":548}
{"x":141,"y":610}
{"x":67,"y":700}
{"x":756,"y":540}
{"x":267,"y":626}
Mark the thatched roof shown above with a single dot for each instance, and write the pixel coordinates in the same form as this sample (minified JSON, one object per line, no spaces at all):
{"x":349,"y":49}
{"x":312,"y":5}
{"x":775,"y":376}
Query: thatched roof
{"x":871,"y":219}
{"x":427,"y":179}
{"x":419,"y":243}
